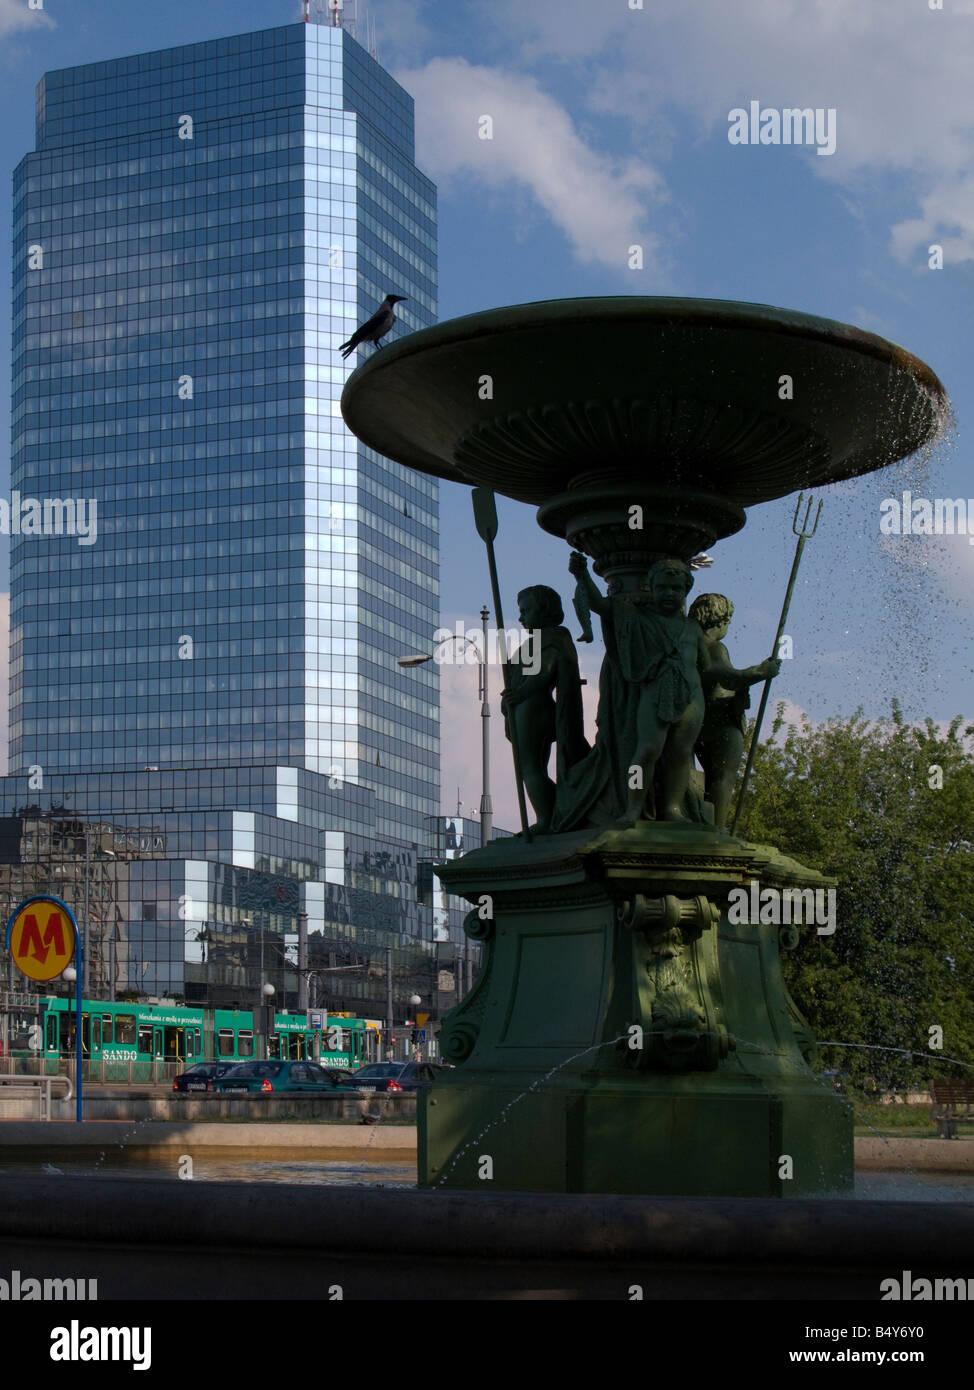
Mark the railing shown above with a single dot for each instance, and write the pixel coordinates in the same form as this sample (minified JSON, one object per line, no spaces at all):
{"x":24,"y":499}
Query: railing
{"x":145,"y":1071}
{"x":41,"y":1084}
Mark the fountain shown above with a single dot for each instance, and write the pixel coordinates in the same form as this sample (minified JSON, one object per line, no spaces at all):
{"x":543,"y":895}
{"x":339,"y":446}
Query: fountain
{"x":628,"y":1032}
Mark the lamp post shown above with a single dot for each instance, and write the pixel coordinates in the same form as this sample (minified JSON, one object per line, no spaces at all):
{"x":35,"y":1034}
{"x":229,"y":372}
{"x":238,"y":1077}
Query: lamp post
{"x":414,"y":1000}
{"x":267,"y":995}
{"x":302,"y":961}
{"x":71,"y":975}
{"x":389,"y":1021}
{"x":419,"y":659}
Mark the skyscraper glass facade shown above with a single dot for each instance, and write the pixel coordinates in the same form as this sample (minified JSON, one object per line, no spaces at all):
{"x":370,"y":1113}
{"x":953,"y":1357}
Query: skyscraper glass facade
{"x":197,"y":231}
{"x":211,"y":667}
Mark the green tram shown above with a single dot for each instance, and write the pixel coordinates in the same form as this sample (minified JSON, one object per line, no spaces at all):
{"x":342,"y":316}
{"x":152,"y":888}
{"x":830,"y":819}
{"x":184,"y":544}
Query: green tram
{"x":126,"y":1041}
{"x":346,"y":1042}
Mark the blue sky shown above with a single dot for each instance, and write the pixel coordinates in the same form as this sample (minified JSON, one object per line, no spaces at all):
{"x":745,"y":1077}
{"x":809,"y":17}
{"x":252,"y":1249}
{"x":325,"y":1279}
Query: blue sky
{"x":610,"y":128}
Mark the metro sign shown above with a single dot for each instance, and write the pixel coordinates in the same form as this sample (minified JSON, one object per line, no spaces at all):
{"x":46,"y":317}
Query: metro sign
{"x":41,"y":937}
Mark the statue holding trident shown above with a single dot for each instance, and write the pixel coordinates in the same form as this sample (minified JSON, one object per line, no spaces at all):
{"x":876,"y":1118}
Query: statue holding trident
{"x":651,"y":705}
{"x":720,"y":746}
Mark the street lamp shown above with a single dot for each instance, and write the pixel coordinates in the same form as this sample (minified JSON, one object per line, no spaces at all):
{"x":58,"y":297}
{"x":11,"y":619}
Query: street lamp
{"x":486,"y":810}
{"x":414,"y":999}
{"x":267,"y":993}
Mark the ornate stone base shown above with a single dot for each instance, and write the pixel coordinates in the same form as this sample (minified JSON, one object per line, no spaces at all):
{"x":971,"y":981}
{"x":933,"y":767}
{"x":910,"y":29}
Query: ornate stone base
{"x":624,"y":1035}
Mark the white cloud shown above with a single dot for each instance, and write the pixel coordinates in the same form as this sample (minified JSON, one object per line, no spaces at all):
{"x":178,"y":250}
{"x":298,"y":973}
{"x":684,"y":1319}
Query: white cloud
{"x":897,"y":73}
{"x":401,"y":33}
{"x":15,"y":16}
{"x":949,"y":557}
{"x":599,"y":202}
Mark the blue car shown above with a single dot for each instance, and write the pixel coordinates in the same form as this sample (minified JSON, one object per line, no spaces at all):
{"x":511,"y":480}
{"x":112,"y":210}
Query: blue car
{"x":264,"y":1078}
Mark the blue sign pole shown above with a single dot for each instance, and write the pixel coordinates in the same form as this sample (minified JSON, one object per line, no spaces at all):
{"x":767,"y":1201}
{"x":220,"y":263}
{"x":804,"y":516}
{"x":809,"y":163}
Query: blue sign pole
{"x":77,"y":1015}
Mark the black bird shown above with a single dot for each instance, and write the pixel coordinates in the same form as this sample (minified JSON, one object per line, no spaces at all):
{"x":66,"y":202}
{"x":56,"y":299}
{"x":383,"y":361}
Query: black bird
{"x":377,"y":326}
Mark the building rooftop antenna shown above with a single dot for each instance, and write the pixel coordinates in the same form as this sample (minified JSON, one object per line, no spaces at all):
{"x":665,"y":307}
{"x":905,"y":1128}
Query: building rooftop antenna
{"x":338,"y":14}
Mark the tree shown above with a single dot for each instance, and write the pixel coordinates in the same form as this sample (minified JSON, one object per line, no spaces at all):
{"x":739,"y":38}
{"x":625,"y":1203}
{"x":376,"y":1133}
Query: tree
{"x":887,"y":809}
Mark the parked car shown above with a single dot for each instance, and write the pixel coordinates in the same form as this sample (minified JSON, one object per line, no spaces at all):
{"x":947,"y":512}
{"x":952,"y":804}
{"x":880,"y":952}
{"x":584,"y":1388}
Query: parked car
{"x":339,"y":1075}
{"x":394,"y":1076}
{"x":263,"y":1078}
{"x":196,"y":1077}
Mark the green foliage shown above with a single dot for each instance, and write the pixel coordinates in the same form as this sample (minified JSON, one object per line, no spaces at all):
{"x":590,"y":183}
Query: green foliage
{"x":855,"y":799}
{"x":903,"y":1121}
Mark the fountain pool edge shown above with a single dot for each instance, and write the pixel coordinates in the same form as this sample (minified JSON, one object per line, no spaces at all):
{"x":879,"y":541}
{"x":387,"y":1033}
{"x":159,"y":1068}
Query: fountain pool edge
{"x":158,"y":1239}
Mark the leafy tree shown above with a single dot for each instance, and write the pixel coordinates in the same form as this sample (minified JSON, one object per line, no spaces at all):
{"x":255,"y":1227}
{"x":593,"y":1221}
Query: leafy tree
{"x":887,"y":809}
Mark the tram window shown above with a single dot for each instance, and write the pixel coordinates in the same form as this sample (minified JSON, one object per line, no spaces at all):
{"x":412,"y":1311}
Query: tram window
{"x":125,"y":1029}
{"x":145,"y":1038}
{"x":224,"y":1042}
{"x":106,"y":1028}
{"x":246,"y":1044}
{"x":52,"y":1032}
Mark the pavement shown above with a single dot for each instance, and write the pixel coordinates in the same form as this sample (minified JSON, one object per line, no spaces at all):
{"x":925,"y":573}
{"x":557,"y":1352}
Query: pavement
{"x":162,"y":1134}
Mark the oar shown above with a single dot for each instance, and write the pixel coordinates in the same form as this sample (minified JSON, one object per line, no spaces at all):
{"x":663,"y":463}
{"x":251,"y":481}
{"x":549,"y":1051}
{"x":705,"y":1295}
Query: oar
{"x":485,"y":517}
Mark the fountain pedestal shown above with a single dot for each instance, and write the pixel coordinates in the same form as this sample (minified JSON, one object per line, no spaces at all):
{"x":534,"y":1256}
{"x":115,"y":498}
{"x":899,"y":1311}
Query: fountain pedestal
{"x":623,"y":1035}
{"x":626,"y":1035}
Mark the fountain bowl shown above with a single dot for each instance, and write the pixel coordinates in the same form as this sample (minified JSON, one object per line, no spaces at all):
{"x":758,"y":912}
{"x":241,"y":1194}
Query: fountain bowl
{"x":739,"y":403}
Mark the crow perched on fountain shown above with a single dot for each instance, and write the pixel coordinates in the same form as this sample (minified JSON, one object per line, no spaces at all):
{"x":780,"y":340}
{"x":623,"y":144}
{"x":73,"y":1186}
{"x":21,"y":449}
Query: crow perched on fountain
{"x":376,"y":327}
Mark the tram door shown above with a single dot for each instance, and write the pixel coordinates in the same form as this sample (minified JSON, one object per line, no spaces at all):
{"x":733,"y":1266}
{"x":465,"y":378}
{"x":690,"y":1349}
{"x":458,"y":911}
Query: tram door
{"x":158,"y":1047}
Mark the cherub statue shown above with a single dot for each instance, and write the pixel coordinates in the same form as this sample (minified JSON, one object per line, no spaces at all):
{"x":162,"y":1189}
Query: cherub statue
{"x":658,"y":659}
{"x":720,"y":744}
{"x":540,"y":720}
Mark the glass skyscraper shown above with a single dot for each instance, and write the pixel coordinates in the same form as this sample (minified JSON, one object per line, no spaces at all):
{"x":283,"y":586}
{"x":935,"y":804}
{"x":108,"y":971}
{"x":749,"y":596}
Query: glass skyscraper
{"x":212,"y":222}
{"x":214,"y":662}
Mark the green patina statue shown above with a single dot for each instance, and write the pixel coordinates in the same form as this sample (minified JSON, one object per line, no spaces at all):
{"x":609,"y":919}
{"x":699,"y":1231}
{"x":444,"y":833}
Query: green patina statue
{"x":720,"y":745}
{"x":545,"y":704}
{"x":624,"y":1034}
{"x":651,"y":702}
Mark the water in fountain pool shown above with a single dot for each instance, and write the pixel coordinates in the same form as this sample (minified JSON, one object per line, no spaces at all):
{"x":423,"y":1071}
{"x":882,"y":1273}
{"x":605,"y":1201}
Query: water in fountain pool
{"x":869,"y":1187}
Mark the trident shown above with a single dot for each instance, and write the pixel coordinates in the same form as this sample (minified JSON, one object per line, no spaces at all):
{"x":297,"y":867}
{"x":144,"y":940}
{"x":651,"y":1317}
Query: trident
{"x":803,"y":535}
